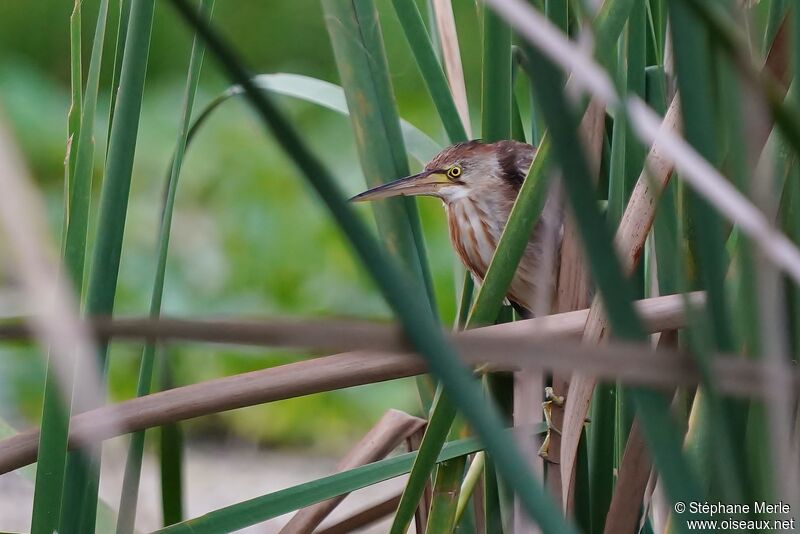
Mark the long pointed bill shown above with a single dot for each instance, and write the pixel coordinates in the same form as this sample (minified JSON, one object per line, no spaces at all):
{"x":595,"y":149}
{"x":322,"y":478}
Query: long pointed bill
{"x":424,"y":183}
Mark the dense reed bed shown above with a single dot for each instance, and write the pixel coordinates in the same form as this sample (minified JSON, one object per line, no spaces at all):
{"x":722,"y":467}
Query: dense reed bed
{"x":669,"y":132}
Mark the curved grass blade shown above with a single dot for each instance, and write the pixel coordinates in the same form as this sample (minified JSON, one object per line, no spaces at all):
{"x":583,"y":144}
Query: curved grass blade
{"x":416,"y":317}
{"x":261,"y":509}
{"x":82,"y":497}
{"x":430,"y":68}
{"x":328,"y":95}
{"x":55,"y":411}
{"x":133,"y":465}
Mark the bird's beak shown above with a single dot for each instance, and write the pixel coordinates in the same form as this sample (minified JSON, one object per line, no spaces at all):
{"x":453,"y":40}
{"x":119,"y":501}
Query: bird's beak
{"x":424,"y":183}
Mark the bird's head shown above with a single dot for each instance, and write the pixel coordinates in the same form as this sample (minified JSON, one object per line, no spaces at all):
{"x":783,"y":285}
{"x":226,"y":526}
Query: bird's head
{"x":461,"y":170}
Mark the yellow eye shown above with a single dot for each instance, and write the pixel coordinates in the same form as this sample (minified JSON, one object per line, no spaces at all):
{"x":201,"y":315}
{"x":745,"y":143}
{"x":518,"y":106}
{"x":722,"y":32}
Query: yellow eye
{"x":454,"y":171}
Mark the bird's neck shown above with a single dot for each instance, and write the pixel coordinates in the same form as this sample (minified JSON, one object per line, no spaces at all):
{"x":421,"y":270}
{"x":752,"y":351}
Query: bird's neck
{"x":474,"y":232}
{"x":493,"y":210}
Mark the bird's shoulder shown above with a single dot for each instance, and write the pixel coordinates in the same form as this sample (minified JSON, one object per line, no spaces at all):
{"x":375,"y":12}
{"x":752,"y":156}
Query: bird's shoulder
{"x":515,"y":159}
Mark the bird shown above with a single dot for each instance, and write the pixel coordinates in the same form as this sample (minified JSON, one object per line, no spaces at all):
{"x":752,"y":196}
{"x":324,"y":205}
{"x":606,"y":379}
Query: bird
{"x":478,"y":183}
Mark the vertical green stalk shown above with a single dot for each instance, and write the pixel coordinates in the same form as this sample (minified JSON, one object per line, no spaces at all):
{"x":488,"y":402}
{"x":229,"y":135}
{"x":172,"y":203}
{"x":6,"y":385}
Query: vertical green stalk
{"x":635,"y":59}
{"x":635,"y":82}
{"x":367,"y":74}
{"x":81,"y":500}
{"x":496,"y":110}
{"x":445,"y":495}
{"x":657,"y":17}
{"x":55,"y":411}
{"x":76,"y":95}
{"x":133,"y":466}
{"x":693,"y":63}
{"x":693,"y":68}
{"x":611,"y":439}
{"x":558,"y":13}
{"x":747,"y":418}
{"x":601,"y":454}
{"x":491,"y":499}
{"x":465,"y":301}
{"x":791,"y":225}
{"x":431,"y":69}
{"x":170,"y":439}
{"x":122,"y":33}
{"x":583,"y":507}
{"x":616,"y":173}
{"x":442,"y":412}
{"x":517,"y":126}
{"x":792,"y":217}
{"x":433,"y":30}
{"x":665,"y":226}
{"x":355,"y":33}
{"x":496,"y":94}
{"x":81,"y":184}
{"x":498,"y":500}
{"x":467,"y":489}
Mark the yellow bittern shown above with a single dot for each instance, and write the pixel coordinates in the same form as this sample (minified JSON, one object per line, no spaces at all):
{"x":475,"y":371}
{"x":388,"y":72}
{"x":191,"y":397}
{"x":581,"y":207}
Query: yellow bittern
{"x":478,"y":183}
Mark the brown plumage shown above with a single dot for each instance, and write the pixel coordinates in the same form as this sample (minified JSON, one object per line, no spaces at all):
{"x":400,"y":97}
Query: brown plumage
{"x":478,"y":183}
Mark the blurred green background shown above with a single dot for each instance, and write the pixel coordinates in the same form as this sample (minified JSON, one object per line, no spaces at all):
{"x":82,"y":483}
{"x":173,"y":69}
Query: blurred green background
{"x":249,"y":238}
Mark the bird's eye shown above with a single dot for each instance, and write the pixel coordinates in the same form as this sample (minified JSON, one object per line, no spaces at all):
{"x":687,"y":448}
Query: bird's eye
{"x":454,"y":171}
